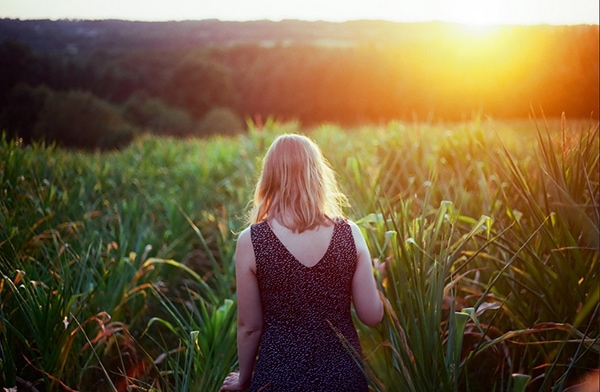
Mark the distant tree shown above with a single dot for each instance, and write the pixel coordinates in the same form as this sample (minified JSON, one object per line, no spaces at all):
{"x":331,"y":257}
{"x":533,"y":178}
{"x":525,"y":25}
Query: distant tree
{"x":19,"y":115}
{"x":407,"y":71}
{"x":220,"y":121}
{"x":154,"y":115}
{"x":79,"y":119}
{"x":198,"y":84}
{"x":18,"y":64}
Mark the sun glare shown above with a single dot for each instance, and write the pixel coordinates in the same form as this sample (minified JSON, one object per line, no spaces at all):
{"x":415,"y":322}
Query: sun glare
{"x":477,"y":28}
{"x":477,"y":15}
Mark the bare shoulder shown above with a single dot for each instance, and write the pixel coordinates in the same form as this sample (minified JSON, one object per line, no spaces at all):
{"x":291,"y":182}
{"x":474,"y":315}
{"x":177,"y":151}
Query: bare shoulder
{"x":356,"y":232}
{"x":244,"y":252}
{"x":245,"y":237}
{"x":353,"y":225}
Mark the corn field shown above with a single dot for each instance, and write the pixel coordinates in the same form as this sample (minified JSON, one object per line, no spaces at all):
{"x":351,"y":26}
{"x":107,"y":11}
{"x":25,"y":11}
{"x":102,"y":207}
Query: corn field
{"x":117,"y":268}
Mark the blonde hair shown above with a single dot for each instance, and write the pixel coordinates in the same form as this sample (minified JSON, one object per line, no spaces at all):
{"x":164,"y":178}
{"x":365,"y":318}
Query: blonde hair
{"x":296,"y":182}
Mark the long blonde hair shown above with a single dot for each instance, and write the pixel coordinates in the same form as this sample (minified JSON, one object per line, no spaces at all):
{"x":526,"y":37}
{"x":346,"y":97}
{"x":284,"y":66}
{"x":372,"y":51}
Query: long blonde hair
{"x":296,"y":182}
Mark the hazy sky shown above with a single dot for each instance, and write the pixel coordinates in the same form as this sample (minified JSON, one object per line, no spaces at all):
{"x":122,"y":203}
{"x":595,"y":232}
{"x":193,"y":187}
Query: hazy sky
{"x":462,"y":11}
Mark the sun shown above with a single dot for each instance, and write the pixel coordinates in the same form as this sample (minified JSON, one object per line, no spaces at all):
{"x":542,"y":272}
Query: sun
{"x":475,"y":14}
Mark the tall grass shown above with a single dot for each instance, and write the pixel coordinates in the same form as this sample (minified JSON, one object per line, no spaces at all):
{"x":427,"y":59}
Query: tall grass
{"x":117,"y":268}
{"x":77,"y":231}
{"x":422,"y":332}
{"x":526,"y":287}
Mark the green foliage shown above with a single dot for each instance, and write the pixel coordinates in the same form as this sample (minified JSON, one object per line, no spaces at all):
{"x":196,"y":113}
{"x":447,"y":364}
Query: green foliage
{"x":198,"y":84}
{"x":556,"y":210}
{"x":19,"y":66}
{"x":324,"y":73}
{"x":205,"y":350}
{"x":51,"y":197}
{"x":117,"y":268}
{"x":78,"y":119}
{"x":154,"y":115}
{"x":220,"y":121}
{"x":20,"y":114}
{"x":422,"y":258}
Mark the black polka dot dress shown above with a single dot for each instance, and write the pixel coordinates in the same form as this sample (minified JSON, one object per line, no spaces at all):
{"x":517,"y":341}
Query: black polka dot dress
{"x":309,"y":342}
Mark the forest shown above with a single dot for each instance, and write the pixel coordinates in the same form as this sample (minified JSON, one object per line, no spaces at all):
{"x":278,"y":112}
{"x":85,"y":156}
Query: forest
{"x":98,"y":84}
{"x":128,"y":155}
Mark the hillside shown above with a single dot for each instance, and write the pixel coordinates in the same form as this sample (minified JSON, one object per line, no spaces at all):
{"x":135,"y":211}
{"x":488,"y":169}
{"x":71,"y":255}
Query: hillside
{"x":88,"y":36}
{"x":169,"y":76}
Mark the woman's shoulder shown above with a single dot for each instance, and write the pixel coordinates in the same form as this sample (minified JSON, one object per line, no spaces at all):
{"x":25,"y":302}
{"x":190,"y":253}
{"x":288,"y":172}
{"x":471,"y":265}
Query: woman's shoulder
{"x":351,"y":228}
{"x":253,"y":230}
{"x":348,"y":226}
{"x":244,"y":251}
{"x":339,"y":220}
{"x":343,"y":221}
{"x":258,"y":224}
{"x":245,"y":235}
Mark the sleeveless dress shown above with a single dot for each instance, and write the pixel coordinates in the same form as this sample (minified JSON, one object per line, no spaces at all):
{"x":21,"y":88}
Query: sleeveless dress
{"x":309,"y":342}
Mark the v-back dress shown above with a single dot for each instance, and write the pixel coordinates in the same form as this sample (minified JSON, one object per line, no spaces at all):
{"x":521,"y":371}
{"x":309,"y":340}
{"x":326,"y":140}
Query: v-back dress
{"x":309,"y":342}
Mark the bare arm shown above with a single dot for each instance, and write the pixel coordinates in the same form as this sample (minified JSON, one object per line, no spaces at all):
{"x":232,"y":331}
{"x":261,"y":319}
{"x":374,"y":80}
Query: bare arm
{"x":365,"y":296}
{"x":250,"y":315}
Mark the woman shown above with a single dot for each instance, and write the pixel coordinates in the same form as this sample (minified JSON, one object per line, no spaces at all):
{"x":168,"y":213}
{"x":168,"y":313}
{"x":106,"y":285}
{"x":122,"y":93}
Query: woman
{"x":299,"y":266}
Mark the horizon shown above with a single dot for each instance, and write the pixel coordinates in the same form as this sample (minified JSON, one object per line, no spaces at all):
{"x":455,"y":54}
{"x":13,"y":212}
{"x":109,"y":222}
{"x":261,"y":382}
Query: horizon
{"x":469,"y":12}
{"x":491,"y":25}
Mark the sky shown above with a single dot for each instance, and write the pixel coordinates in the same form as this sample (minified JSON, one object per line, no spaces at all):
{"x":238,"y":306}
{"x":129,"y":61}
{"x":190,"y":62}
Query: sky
{"x":482,"y":12}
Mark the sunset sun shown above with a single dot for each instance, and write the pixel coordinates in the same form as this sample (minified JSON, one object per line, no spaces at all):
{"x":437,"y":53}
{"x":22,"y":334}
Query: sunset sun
{"x":477,"y":14}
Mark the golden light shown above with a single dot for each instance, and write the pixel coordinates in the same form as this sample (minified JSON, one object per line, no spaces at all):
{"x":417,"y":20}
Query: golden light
{"x":476,"y":14}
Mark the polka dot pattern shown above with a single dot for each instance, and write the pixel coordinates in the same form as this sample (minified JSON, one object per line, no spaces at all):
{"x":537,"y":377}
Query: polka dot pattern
{"x":309,"y":336}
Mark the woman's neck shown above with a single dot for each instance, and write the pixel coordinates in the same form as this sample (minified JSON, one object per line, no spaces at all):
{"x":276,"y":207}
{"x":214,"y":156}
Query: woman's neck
{"x":287,"y":221}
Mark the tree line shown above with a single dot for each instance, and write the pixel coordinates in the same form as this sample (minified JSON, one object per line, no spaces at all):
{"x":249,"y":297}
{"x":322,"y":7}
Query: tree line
{"x":105,"y":98}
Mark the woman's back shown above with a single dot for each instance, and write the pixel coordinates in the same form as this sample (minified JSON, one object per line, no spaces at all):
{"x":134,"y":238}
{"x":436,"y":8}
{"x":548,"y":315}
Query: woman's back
{"x":297,"y":275}
{"x":309,"y":342}
{"x":308,"y":247}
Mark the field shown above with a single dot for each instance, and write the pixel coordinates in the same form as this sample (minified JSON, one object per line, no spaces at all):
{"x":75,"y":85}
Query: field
{"x":117,"y":270}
